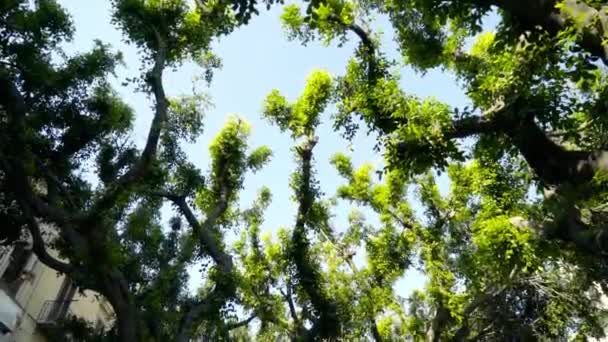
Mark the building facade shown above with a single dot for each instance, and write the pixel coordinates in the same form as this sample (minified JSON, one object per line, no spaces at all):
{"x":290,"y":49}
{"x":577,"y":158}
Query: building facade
{"x":34,"y":298}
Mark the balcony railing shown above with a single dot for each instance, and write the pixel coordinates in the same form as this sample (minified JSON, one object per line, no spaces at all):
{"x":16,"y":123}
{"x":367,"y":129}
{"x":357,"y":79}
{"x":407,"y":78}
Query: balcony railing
{"x":53,"y":311}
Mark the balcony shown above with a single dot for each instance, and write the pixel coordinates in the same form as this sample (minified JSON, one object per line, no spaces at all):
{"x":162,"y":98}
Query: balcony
{"x":54,"y":311}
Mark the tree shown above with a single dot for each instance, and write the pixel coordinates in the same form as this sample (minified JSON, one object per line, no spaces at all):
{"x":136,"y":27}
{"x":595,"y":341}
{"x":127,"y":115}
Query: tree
{"x":514,"y":250}
{"x":59,"y":112}
{"x":537,"y":89}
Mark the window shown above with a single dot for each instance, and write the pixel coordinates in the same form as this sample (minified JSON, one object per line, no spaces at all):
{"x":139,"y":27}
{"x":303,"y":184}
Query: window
{"x":14,"y":275}
{"x":63,"y":299}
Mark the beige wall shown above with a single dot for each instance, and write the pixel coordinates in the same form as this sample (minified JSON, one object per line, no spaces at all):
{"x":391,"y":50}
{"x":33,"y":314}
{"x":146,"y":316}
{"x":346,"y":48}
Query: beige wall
{"x":43,"y":285}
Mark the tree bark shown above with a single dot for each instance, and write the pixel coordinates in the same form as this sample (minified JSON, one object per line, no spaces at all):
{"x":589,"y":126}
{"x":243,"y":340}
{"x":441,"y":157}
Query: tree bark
{"x":552,"y":163}
{"x":115,"y":289}
{"x":531,"y":13}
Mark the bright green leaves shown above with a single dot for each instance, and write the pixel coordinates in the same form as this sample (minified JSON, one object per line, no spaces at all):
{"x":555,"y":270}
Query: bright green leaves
{"x":502,"y":186}
{"x":502,"y":248}
{"x":358,"y":189}
{"x":387,"y":199}
{"x":387,"y":253}
{"x":313,"y":100}
{"x":389,"y":247}
{"x":420,"y":144}
{"x":228,"y":147}
{"x":278,"y":110}
{"x":293,"y":21}
{"x":419,"y":34}
{"x":331,"y":18}
{"x":261,"y":261}
{"x":229,"y":163}
{"x":170,"y":27}
{"x":302,"y":116}
{"x":493,"y":75}
{"x":258,"y":158}
{"x":343,"y":164}
{"x":430,"y":33}
{"x":327,"y":19}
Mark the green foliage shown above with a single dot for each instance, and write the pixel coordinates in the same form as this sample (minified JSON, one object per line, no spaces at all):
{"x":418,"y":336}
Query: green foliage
{"x":514,"y":249}
{"x":327,"y":19}
{"x":229,"y":162}
{"x":186,"y":116}
{"x":302,"y":116}
{"x":259,"y":157}
{"x":170,"y":27}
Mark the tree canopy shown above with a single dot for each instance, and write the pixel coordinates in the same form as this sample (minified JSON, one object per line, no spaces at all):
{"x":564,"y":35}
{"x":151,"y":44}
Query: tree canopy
{"x":514,"y":250}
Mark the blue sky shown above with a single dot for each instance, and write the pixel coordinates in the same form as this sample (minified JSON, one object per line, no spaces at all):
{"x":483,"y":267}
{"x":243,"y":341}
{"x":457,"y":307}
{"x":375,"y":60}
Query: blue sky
{"x":256,"y":59}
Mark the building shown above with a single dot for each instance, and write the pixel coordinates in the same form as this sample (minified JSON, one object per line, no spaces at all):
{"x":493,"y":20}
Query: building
{"x":34,"y":297}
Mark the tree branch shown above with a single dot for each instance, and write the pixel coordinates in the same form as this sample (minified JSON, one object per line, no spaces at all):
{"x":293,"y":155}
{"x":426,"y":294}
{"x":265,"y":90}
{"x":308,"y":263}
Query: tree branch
{"x":29,"y":203}
{"x":148,"y":155}
{"x":206,"y":237}
{"x":369,"y":48}
{"x":39,"y":245}
{"x":292,"y":308}
{"x":204,"y":231}
{"x":242,"y":323}
{"x":552,"y":163}
{"x":327,"y":322}
{"x":531,"y":13}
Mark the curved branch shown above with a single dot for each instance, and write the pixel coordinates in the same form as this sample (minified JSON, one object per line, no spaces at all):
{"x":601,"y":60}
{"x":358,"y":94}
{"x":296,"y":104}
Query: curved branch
{"x":242,"y":323}
{"x":531,"y":13}
{"x":204,"y":231}
{"x":369,"y":48}
{"x":207,"y":239}
{"x":141,"y":167}
{"x":30,"y":205}
{"x":39,"y":247}
{"x":552,"y":163}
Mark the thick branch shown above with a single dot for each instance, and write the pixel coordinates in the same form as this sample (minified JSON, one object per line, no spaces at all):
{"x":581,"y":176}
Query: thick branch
{"x":292,"y":307}
{"x":29,"y":203}
{"x":568,"y":226}
{"x":369,"y":48}
{"x":242,"y":323}
{"x":113,"y":285}
{"x":552,"y":163}
{"x":223,"y":260}
{"x":148,"y":155}
{"x":39,"y":245}
{"x":204,"y":231}
{"x":531,"y":13}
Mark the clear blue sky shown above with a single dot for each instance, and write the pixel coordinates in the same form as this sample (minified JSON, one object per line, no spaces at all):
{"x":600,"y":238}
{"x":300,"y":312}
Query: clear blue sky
{"x":256,"y":59}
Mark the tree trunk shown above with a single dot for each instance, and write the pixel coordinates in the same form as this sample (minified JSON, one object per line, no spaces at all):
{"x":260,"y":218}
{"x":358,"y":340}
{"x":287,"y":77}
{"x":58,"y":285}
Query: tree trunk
{"x":117,"y":293}
{"x":126,"y":323}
